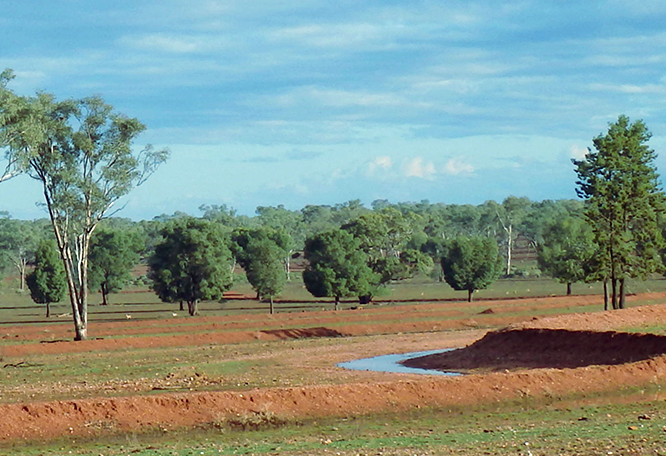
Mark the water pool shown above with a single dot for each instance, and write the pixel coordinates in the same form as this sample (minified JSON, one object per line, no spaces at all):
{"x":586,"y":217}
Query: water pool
{"x":391,"y":363}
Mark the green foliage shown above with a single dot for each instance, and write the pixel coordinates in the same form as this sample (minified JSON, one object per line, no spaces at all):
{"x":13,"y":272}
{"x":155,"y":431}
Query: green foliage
{"x":265,"y":271}
{"x":81,"y":152}
{"x":542,"y":215}
{"x":18,"y":242}
{"x":192,"y":263}
{"x":242,"y":238}
{"x":337,"y":267}
{"x":224,"y":215}
{"x":384,"y":235}
{"x":317,"y":219}
{"x":416,"y":263}
{"x":567,"y":250}
{"x":280,"y":218}
{"x":471,"y":263}
{"x":619,"y":182}
{"x":510,"y":214}
{"x":47,"y":282}
{"x":113,"y":254}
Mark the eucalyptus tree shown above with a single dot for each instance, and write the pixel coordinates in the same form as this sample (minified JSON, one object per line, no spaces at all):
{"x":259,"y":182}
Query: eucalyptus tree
{"x":337,"y":267}
{"x":243,"y":238}
{"x":265,"y":271}
{"x":113,"y":254}
{"x":623,"y":201}
{"x":384,"y":233}
{"x":191,"y":263}
{"x":471,"y":263}
{"x":47,"y":281}
{"x":349,"y":210}
{"x":290,"y":223}
{"x":81,"y":153}
{"x":567,"y":250}
{"x":227,"y":216}
{"x":385,"y":237}
{"x":510,"y":214}
{"x":542,"y":216}
{"x":317,"y":219}
{"x":18,"y":242}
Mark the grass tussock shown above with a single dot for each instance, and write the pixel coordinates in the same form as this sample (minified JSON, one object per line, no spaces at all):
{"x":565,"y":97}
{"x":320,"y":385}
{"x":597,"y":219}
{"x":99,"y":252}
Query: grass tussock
{"x":253,"y":421}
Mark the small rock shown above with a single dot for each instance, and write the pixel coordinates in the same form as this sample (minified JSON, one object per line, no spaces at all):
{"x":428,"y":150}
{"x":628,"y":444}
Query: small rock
{"x":633,"y":428}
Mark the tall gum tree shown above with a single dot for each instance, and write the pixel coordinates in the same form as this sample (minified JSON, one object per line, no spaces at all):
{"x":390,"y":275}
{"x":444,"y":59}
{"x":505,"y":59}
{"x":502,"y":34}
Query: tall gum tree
{"x":81,"y":152}
{"x":620,"y":185}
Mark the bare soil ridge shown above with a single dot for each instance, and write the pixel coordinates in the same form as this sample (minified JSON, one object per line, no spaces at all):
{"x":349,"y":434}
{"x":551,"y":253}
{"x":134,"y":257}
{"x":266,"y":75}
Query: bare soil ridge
{"x":363,"y":392}
{"x":532,"y":348}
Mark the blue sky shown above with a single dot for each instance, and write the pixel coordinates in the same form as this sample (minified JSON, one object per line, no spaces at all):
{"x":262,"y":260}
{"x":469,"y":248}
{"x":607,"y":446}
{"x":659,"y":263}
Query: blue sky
{"x":319,"y":102}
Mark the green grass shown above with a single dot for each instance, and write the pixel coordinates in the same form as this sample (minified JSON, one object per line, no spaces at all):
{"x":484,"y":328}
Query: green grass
{"x":659,"y":329}
{"x":237,"y":366}
{"x":549,"y":427}
{"x":501,"y":429}
{"x":140,"y":303}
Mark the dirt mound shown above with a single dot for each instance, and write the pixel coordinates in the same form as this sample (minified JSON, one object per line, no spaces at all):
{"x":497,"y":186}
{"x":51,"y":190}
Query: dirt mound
{"x":606,"y":358}
{"x":91,"y":417}
{"x":545,"y":348}
{"x":632,"y":318}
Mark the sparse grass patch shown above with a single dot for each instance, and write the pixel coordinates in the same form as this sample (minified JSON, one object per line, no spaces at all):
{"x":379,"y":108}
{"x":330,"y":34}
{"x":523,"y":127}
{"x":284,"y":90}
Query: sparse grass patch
{"x":636,"y":428}
{"x":253,"y":421}
{"x":659,"y":329}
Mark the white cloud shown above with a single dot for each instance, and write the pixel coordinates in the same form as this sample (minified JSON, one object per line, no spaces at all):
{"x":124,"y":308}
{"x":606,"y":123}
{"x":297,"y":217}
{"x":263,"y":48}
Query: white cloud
{"x":577,"y":152}
{"x":380,"y":163}
{"x":338,"y":35}
{"x":173,"y":44}
{"x":339,"y":99}
{"x":417,"y":168}
{"x":630,"y":88}
{"x":457,"y":166}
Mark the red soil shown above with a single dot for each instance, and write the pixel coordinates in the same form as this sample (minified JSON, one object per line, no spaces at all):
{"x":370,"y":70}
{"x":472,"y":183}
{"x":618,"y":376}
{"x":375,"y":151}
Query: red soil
{"x":579,"y":368}
{"x":545,"y":348}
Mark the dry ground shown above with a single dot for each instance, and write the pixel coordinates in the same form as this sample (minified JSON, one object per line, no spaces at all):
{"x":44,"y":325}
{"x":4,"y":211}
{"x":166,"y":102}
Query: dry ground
{"x":520,"y":362}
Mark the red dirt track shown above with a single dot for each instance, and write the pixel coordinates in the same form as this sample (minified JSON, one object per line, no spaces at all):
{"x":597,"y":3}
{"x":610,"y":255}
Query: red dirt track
{"x":525,"y":360}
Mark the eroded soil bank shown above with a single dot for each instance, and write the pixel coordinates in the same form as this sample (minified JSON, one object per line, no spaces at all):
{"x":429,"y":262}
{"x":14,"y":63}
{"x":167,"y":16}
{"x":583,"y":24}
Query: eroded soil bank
{"x":532,"y":348}
{"x":373,"y":392}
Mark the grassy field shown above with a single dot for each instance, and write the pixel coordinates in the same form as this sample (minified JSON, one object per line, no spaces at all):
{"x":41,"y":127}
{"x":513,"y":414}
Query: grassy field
{"x":16,"y":307}
{"x":626,"y":421}
{"x":633,"y":422}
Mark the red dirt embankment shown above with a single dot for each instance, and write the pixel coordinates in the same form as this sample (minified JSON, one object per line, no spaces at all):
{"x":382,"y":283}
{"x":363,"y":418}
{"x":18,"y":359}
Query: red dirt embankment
{"x":565,"y":341}
{"x":44,"y":420}
{"x":545,"y":348}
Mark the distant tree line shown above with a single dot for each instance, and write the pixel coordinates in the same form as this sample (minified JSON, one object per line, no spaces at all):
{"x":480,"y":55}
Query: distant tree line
{"x":393,"y":241}
{"x":81,"y":152}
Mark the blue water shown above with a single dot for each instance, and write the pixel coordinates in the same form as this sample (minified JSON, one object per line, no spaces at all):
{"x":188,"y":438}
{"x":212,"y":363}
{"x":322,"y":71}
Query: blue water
{"x":390,"y":363}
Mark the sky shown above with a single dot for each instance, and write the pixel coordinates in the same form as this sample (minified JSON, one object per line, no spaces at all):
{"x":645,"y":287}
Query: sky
{"x":317,"y":102}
